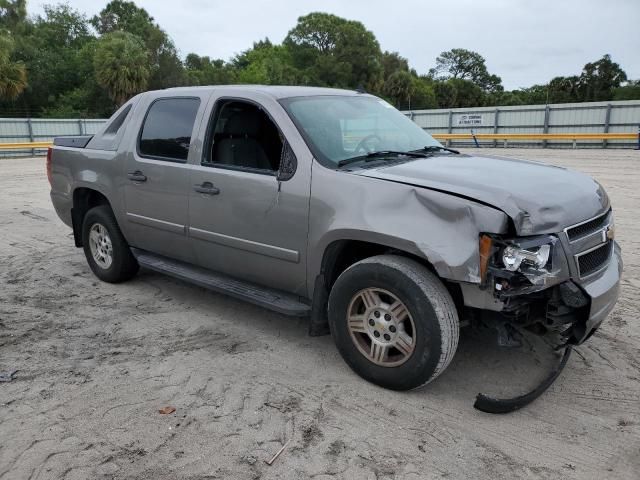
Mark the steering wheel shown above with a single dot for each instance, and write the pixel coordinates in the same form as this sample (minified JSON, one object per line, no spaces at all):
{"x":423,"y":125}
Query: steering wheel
{"x":362,"y":147}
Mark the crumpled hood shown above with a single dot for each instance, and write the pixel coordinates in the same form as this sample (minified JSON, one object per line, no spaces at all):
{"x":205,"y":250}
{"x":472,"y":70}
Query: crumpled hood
{"x":539,"y":198}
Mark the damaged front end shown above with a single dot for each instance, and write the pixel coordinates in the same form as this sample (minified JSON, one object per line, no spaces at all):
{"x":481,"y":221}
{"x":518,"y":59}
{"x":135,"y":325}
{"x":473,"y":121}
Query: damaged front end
{"x":530,"y":280}
{"x":533,"y":285}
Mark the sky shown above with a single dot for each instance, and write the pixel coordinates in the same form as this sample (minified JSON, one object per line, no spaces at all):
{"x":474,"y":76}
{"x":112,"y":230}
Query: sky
{"x":525,"y":42}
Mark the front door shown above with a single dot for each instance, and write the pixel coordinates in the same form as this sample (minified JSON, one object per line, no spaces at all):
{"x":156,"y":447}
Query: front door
{"x":243,"y":220}
{"x":157,"y":182}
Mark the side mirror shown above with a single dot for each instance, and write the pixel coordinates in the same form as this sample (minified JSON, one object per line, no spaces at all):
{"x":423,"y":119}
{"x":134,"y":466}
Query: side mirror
{"x":288,"y":163}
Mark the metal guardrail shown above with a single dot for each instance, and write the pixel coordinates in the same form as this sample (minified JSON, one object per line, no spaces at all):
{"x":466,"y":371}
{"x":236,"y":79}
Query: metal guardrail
{"x":24,"y":145}
{"x":505,"y":137}
{"x":545,"y":137}
{"x":536,"y":136}
{"x":558,"y":119}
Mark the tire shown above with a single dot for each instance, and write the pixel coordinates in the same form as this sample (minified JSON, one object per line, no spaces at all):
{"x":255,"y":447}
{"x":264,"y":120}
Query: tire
{"x":114,"y":262}
{"x":429,"y":319}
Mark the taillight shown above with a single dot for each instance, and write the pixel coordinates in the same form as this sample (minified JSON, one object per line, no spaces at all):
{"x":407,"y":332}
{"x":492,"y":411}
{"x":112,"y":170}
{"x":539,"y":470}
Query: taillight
{"x":49,"y":151}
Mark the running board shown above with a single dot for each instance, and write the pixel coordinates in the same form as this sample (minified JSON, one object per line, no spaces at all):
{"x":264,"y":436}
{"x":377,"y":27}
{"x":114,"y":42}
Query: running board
{"x":269,"y":298}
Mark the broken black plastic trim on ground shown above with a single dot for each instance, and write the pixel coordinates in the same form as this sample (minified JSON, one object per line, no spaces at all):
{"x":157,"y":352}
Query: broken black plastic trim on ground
{"x":488,"y":404}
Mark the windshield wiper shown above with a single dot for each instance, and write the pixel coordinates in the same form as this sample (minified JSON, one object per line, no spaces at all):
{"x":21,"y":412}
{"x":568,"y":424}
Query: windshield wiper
{"x":431,"y":148}
{"x":379,"y":154}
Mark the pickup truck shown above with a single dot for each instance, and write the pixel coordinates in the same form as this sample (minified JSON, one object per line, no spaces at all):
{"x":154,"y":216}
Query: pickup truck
{"x":334,"y":205}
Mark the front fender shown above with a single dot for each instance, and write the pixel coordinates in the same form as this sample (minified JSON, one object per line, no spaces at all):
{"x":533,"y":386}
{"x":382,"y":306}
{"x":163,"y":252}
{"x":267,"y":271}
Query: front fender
{"x":441,"y":228}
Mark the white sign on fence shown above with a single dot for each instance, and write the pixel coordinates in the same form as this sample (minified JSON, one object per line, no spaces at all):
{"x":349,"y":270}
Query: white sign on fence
{"x":471,"y":120}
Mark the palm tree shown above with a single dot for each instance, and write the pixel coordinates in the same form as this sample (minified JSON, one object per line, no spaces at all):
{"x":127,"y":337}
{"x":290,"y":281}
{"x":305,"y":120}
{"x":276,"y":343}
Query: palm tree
{"x":121,"y":65}
{"x":13,"y":75}
{"x":400,"y":87}
{"x":13,"y":80}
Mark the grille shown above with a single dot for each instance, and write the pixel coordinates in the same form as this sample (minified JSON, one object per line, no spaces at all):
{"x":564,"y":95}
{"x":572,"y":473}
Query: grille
{"x":586,"y":228}
{"x":593,"y":261}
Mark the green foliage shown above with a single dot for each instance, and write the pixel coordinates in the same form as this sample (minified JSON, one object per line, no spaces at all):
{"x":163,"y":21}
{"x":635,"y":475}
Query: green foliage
{"x":392,"y":62}
{"x":120,"y":63}
{"x":62,"y":63}
{"x":599,"y":79}
{"x":204,"y":71}
{"x":269,"y":65}
{"x":459,"y":63}
{"x":13,"y":13}
{"x":631,"y":91}
{"x":424,"y":95}
{"x":52,"y":49}
{"x":71,"y":104}
{"x":13,"y":75}
{"x":165,"y":65}
{"x":400,"y":87}
{"x":333,"y":51}
{"x":458,"y":93}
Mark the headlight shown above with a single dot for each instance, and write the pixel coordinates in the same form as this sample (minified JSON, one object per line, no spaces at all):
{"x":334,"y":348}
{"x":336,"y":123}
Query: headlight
{"x":513,"y":257}
{"x":522,"y":264}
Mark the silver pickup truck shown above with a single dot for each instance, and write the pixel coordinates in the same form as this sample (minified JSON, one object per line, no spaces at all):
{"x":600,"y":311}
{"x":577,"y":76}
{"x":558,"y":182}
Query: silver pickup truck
{"x":334,"y":205}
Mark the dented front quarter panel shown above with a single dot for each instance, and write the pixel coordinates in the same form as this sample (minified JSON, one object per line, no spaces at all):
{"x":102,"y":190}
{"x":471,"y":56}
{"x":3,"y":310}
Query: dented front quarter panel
{"x":442,"y":228}
{"x":539,"y":198}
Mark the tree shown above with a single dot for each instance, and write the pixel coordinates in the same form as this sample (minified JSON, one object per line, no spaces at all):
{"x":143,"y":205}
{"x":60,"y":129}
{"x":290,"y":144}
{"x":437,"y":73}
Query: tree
{"x":392,"y":62}
{"x":268,"y":64}
{"x":400,"y":87}
{"x":458,"y":93}
{"x":630,"y":91}
{"x":204,"y":71}
{"x":445,"y":94}
{"x":121,"y":65}
{"x":13,"y":75}
{"x":468,"y":94}
{"x":51,"y":46}
{"x":12,"y":14}
{"x":165,"y":66}
{"x":599,"y":79}
{"x":459,"y":63}
{"x":333,"y":51}
{"x":424,"y":95}
{"x":563,"y":90}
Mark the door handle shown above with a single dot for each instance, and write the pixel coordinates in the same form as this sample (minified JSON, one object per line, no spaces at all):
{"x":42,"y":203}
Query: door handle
{"x":207,"y":188}
{"x":137,"y":176}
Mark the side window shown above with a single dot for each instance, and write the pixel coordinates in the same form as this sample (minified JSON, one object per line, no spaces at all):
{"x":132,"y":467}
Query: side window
{"x":242,"y":135}
{"x":116,"y":123}
{"x":167,"y":128}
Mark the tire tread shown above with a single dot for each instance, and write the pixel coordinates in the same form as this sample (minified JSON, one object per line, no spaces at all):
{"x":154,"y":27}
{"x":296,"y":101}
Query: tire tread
{"x":439,"y":297}
{"x":125,"y":265}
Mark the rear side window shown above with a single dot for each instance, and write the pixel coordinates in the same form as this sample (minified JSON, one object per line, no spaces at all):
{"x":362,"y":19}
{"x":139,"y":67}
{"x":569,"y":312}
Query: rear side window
{"x":167,"y":128}
{"x":117,"y":122}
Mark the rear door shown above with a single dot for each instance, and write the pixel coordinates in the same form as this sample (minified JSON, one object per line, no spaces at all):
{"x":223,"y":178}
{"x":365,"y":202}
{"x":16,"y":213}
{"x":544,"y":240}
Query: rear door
{"x":243,"y":220}
{"x":156,"y":176}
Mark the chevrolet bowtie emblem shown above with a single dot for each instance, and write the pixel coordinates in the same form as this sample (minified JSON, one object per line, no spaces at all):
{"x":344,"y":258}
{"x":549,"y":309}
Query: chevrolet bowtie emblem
{"x":608,"y":234}
{"x":611,"y":232}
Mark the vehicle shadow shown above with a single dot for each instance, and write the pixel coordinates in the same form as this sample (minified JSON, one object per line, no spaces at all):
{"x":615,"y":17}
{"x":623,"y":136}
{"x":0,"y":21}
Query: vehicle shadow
{"x":480,"y":365}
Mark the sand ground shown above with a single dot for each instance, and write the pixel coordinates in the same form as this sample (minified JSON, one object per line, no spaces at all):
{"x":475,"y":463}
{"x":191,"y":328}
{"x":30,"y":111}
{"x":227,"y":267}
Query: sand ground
{"x":96,"y":361}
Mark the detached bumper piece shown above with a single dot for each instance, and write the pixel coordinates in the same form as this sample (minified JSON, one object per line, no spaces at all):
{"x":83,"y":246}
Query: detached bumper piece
{"x":487,"y":404}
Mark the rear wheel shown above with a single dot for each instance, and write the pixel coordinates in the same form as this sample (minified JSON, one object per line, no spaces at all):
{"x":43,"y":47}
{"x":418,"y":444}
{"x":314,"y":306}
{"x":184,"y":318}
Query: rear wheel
{"x":105,"y":247}
{"x":393,"y":321}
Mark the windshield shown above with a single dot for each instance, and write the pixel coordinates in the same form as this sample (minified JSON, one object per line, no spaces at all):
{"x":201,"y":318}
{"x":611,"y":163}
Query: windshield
{"x":342,"y":127}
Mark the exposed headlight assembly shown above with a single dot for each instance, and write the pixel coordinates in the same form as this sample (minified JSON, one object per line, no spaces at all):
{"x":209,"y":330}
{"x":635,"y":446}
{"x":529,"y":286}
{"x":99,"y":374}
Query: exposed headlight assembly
{"x":539,"y":259}
{"x":514,"y":257}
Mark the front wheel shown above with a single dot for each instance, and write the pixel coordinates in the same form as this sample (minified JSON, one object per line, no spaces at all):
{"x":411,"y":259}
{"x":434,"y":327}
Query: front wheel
{"x":393,"y":321}
{"x":106,"y":249}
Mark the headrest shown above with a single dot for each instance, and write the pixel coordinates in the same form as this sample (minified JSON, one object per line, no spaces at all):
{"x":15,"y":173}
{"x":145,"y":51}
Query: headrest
{"x":244,"y":122}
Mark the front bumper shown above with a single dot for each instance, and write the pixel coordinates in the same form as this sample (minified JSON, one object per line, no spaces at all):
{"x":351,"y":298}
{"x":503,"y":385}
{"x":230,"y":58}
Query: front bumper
{"x":603,"y":292}
{"x":547,"y":310}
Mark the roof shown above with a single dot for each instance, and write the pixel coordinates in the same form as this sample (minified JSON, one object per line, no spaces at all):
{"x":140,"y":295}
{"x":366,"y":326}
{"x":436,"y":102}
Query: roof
{"x":275,"y":91}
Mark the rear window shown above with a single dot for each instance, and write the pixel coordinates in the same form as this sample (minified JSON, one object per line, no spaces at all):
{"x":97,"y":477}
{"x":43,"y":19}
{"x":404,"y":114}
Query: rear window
{"x":166,"y":132}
